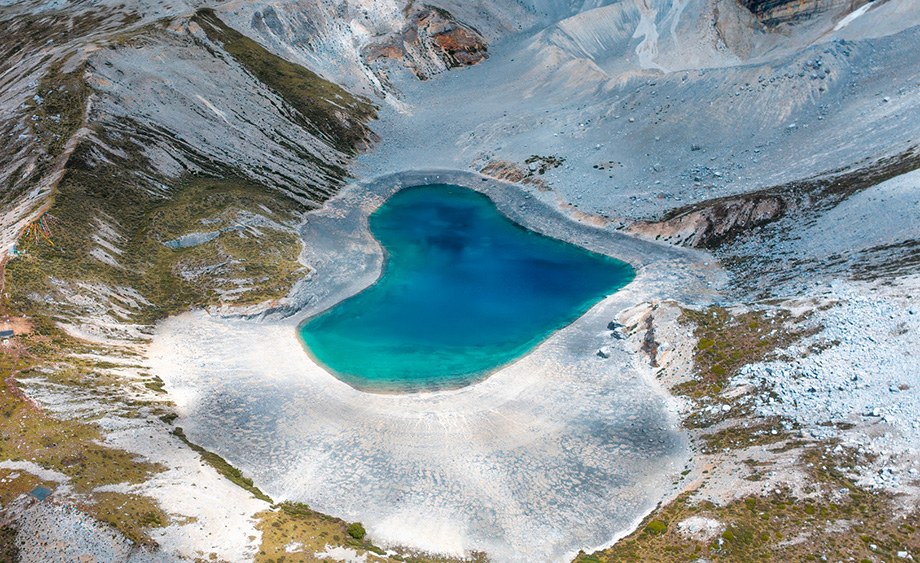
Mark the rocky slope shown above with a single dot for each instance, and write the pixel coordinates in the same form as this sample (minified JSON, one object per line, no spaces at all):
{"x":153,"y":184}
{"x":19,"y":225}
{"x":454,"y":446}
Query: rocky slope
{"x":131,"y":195}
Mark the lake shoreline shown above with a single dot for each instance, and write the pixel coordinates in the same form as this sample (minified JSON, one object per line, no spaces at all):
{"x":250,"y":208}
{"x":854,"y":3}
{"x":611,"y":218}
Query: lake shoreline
{"x":463,"y":291}
{"x":379,"y":458}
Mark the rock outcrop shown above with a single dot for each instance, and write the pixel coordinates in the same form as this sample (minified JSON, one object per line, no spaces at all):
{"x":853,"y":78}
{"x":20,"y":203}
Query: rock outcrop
{"x":714,"y":222}
{"x":775,"y":12}
{"x":431,"y":42}
{"x":710,"y":225}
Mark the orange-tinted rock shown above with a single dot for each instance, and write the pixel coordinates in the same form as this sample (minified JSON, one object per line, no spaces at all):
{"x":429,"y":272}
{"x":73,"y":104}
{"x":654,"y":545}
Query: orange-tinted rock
{"x":460,"y":45}
{"x":432,"y":41}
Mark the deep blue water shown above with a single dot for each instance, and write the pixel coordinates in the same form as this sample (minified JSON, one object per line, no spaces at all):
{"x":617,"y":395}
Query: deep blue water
{"x":464,"y":290}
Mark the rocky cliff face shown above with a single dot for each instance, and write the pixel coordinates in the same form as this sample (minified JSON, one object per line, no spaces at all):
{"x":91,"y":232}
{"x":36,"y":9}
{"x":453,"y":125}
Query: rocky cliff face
{"x":359,"y":43}
{"x":712,"y":223}
{"x":709,"y":226}
{"x":776,"y":12}
{"x":431,"y":41}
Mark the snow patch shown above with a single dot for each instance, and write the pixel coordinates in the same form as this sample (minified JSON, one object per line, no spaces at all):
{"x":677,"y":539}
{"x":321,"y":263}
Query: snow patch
{"x":852,"y":16}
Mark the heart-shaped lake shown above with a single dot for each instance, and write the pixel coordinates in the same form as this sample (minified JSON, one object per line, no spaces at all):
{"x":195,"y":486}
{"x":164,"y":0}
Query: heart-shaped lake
{"x":464,"y":290}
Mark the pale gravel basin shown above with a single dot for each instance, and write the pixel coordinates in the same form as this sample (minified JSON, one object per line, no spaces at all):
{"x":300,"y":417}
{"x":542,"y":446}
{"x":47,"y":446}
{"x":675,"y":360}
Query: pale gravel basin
{"x":559,"y":451}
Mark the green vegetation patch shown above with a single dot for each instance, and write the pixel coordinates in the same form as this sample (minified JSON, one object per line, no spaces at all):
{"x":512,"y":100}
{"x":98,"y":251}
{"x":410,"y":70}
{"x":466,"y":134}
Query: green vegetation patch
{"x":246,"y":264}
{"x":55,"y":113}
{"x":356,"y":531}
{"x":292,"y":531}
{"x":762,"y":433}
{"x":725,"y":342}
{"x":656,"y":527}
{"x":73,"y":447}
{"x":131,"y":514}
{"x":294,"y":523}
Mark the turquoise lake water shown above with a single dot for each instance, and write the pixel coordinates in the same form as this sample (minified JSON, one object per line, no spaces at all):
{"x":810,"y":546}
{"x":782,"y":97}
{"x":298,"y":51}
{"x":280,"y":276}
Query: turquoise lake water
{"x":464,"y":290}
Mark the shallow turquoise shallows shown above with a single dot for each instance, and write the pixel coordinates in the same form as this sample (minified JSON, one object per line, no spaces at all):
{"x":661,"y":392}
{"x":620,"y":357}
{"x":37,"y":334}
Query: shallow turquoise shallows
{"x":464,"y":290}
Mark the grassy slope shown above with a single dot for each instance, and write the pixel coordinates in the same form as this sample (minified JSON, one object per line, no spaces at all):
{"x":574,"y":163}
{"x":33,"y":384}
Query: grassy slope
{"x":326,"y":109}
{"x":263,"y":262}
{"x":72,"y":447}
{"x":296,"y":523}
{"x":293,"y":524}
{"x":777,"y":526}
{"x":58,"y":112}
{"x":245,"y":266}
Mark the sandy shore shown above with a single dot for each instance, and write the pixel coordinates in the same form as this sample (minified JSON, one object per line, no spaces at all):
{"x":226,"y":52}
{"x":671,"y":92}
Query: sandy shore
{"x":559,"y":451}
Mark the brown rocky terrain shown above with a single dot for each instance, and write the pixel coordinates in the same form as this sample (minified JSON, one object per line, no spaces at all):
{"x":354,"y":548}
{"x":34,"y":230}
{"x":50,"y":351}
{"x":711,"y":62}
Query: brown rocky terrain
{"x":430,"y":36}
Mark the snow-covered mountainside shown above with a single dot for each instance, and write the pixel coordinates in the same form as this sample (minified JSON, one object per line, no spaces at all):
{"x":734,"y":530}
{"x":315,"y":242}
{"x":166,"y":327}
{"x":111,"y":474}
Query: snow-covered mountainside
{"x":755,"y":159}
